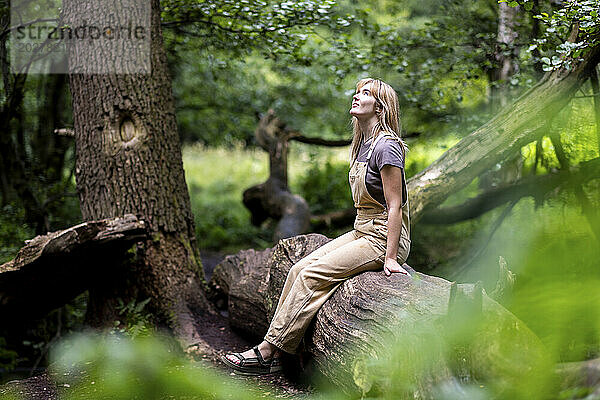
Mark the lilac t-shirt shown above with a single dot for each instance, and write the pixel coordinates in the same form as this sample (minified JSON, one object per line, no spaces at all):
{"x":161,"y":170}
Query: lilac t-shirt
{"x":386,"y":152}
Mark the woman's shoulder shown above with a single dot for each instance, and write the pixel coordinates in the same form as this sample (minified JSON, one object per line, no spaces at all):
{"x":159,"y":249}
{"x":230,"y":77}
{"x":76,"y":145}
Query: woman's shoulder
{"x":390,"y":135}
{"x":389,"y":150}
{"x":388,"y":141}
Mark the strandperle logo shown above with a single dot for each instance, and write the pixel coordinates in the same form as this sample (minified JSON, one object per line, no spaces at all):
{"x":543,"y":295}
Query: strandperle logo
{"x":104,"y":36}
{"x":83,"y":32}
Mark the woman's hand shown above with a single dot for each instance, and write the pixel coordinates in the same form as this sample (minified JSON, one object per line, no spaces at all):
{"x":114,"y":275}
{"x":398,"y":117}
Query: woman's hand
{"x":392,"y":265}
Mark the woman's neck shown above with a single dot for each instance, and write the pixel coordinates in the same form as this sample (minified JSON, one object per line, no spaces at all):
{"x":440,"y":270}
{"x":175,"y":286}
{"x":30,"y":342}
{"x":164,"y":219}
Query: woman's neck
{"x":366,"y":127}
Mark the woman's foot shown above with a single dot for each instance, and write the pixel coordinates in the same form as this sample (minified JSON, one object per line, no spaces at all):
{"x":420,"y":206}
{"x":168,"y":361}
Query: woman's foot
{"x":262,"y":359}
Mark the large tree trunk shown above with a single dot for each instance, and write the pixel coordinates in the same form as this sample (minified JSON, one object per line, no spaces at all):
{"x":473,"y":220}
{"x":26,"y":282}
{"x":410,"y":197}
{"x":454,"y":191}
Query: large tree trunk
{"x":358,"y":323}
{"x":129,"y":161}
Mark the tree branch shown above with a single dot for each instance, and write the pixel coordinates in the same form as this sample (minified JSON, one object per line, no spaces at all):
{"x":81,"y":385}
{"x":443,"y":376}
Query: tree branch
{"x":298,"y":137}
{"x":537,"y":186}
{"x":333,"y":219}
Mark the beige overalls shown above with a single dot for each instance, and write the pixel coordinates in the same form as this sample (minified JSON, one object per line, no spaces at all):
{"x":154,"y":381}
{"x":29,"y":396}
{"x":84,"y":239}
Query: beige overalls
{"x":312,"y":280}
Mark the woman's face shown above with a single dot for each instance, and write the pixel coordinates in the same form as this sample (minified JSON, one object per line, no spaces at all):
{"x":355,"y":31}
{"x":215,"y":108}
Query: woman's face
{"x":363,"y":103}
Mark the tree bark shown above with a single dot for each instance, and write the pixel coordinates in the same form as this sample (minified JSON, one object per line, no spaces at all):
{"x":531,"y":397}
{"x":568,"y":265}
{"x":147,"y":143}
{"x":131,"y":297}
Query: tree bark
{"x":596,"y":94}
{"x":251,"y":281}
{"x":129,"y":161}
{"x":504,"y":57}
{"x":537,"y":186}
{"x":358,"y":323}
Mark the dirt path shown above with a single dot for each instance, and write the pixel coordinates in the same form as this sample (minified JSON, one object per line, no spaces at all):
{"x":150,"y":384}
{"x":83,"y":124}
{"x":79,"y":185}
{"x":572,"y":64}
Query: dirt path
{"x":217,"y":338}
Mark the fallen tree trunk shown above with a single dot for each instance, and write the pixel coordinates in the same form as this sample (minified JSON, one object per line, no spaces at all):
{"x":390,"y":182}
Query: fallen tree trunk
{"x":54,"y":268}
{"x":359,"y":323}
{"x":537,"y":186}
{"x":583,"y":376}
{"x":502,"y":136}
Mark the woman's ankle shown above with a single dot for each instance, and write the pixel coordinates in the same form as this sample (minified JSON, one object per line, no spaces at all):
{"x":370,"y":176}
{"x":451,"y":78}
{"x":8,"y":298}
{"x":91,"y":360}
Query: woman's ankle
{"x":268,"y":350}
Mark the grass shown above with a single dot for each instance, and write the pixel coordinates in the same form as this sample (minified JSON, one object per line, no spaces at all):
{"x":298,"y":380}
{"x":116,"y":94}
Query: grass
{"x":217,"y":179}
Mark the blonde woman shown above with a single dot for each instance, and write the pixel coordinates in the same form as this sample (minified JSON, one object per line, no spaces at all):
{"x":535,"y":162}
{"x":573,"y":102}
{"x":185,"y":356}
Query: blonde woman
{"x":380,"y":238}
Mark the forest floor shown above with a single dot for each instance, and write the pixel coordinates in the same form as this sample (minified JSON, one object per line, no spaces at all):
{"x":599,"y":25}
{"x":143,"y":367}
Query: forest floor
{"x":217,"y":338}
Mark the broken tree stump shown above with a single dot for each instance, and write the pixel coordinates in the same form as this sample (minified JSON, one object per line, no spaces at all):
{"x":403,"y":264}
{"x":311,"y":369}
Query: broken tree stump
{"x":54,"y":268}
{"x":371,"y":311}
{"x":273,"y":199}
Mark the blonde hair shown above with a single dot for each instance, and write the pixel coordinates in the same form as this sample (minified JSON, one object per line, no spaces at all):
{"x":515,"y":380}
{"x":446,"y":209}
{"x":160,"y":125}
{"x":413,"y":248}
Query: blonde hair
{"x":388,"y":116}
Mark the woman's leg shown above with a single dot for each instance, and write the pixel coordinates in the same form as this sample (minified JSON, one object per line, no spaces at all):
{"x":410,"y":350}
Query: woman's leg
{"x":315,"y":283}
{"x":267,"y":349}
{"x":311,"y":258}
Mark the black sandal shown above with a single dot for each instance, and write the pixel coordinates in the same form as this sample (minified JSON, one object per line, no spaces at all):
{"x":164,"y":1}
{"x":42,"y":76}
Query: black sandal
{"x":253,"y":365}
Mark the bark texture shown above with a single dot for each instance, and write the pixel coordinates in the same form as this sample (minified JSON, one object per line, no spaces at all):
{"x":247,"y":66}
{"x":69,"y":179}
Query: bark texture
{"x":537,"y":186}
{"x":129,"y":161}
{"x":54,"y":268}
{"x":583,"y":376}
{"x":359,"y":323}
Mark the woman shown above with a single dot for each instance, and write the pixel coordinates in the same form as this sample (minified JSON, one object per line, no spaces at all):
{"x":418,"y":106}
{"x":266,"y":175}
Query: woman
{"x":381,"y":234}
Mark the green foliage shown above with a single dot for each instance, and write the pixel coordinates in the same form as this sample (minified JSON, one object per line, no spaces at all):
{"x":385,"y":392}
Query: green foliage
{"x":115,"y":367}
{"x":219,"y":100}
{"x":437,"y":57}
{"x":134,"y":322}
{"x":557,"y":285}
{"x":216,"y":179}
{"x":8,"y":357}
{"x":325,"y":187}
{"x":241,"y":26}
{"x":13,"y":232}
{"x":561,"y":53}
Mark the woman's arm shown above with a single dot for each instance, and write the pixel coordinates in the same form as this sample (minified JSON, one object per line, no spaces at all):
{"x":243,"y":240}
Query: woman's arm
{"x":391,"y":177}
